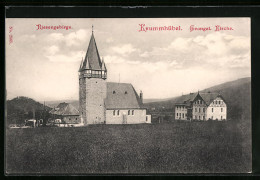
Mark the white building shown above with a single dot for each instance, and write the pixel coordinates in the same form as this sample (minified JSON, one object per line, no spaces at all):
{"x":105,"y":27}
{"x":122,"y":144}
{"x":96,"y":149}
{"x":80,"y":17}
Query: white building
{"x":201,"y":106}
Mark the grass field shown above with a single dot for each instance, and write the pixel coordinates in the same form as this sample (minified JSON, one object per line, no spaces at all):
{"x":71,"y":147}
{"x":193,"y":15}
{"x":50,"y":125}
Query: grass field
{"x":179,"y":147}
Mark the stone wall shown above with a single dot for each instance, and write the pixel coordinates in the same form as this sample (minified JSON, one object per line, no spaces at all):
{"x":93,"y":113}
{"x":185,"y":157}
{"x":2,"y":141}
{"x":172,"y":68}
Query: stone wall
{"x":92,"y":96}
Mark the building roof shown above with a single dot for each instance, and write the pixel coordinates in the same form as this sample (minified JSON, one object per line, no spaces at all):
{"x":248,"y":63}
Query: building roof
{"x":207,"y":97}
{"x":122,"y":96}
{"x":65,"y":109}
{"x":186,"y":99}
{"x":92,"y":58}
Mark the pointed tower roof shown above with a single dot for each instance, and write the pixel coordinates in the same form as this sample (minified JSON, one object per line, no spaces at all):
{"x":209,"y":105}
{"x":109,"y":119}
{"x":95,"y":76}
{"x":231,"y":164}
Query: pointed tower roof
{"x":81,"y":65}
{"x":92,"y":58}
{"x":103,"y":65}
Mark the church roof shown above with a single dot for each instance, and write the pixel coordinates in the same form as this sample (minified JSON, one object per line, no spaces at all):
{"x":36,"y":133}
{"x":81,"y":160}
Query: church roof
{"x":92,"y":58}
{"x":65,"y":109}
{"x":122,"y":96}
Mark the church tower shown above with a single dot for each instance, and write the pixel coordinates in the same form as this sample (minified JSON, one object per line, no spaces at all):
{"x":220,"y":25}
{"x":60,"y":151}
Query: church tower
{"x":92,"y":86}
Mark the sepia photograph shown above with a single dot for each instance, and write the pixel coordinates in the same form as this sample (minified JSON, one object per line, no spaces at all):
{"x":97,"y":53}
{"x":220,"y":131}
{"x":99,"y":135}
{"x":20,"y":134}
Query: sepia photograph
{"x":128,"y":96}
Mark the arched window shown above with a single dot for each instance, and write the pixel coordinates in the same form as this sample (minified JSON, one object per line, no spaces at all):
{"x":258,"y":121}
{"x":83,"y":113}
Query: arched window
{"x":133,"y":112}
{"x":114,"y":112}
{"x":118,"y":112}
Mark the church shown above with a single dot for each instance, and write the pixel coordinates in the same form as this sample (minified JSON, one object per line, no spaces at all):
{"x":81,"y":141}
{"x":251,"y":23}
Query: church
{"x":102,"y":102}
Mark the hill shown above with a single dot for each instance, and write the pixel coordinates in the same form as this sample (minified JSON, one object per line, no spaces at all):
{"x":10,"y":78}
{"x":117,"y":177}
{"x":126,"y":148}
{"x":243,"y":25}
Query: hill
{"x":236,"y":93}
{"x":53,"y":104}
{"x":21,"y":108}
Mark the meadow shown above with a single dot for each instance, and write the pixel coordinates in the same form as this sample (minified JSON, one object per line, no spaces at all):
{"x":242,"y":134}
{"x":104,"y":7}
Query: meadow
{"x":179,"y":147}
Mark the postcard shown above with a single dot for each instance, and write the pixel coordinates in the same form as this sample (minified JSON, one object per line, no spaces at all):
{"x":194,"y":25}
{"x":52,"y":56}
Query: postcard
{"x":128,"y":95}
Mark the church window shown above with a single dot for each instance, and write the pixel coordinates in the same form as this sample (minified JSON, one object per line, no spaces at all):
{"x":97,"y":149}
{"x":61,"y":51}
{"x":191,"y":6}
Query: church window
{"x":118,"y":112}
{"x":128,"y":112}
{"x":212,"y":109}
{"x":133,"y":112}
{"x":114,"y":112}
{"x":199,"y":109}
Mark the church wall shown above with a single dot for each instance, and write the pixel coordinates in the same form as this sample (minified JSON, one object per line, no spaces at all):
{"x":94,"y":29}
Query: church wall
{"x":138,"y":117}
{"x":95,"y":96}
{"x":82,"y":99}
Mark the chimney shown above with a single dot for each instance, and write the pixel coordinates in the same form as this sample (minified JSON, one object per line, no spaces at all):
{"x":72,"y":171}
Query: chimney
{"x":141,"y":96}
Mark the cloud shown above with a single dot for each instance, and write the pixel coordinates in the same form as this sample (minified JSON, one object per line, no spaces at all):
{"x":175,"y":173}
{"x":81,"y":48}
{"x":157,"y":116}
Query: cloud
{"x":71,"y":57}
{"x":124,"y":49}
{"x":215,"y":50}
{"x":52,"y":50}
{"x":145,"y":54}
{"x":76,"y":38}
{"x":109,"y":40}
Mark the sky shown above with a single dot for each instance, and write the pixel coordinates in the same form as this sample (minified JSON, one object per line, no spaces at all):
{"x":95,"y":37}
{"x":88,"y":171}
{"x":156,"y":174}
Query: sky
{"x":43,"y":64}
